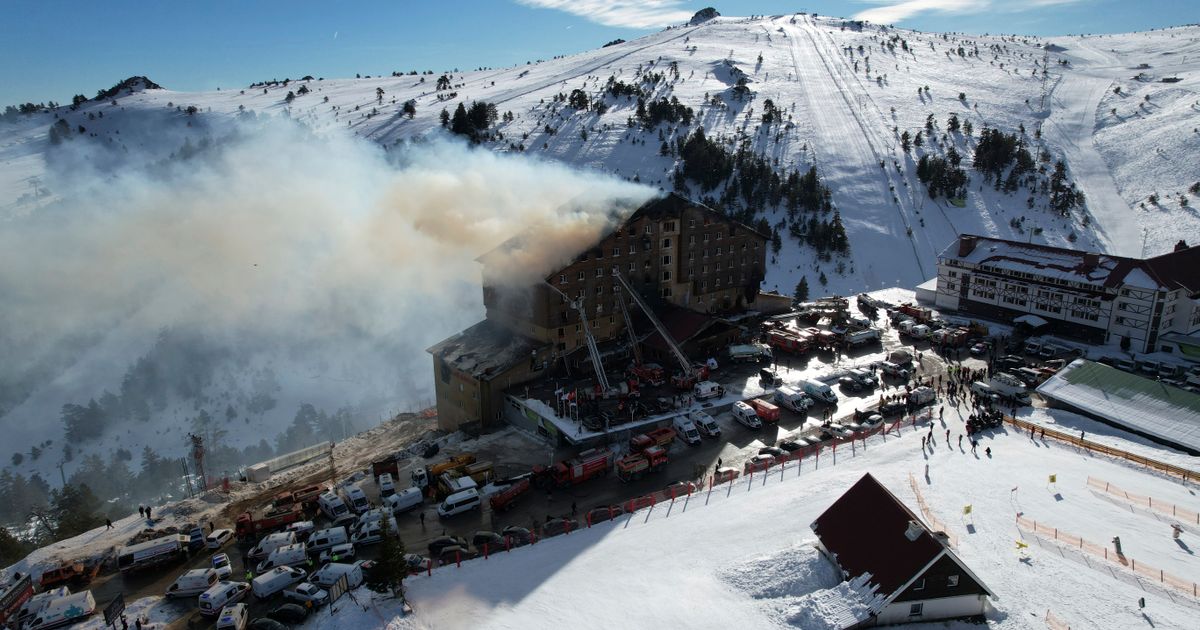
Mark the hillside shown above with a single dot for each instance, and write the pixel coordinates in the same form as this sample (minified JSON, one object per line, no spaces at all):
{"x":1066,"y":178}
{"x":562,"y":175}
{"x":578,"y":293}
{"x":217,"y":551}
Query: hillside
{"x":841,"y":98}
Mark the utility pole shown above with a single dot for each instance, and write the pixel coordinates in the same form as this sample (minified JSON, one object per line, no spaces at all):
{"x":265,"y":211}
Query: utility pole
{"x":63,"y":475}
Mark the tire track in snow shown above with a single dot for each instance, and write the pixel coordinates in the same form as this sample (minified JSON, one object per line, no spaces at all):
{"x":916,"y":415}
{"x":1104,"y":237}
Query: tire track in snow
{"x":843,"y":126}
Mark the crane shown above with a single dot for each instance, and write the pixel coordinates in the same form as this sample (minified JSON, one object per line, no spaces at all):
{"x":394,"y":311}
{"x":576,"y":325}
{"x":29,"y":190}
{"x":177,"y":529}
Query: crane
{"x":690,"y":374}
{"x":593,"y":351}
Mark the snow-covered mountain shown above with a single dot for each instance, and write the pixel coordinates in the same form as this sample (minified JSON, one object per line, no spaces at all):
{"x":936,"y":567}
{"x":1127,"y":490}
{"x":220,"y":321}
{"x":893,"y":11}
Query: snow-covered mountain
{"x":859,"y":103}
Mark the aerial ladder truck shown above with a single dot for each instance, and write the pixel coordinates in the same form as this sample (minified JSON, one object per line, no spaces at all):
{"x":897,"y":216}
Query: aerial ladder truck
{"x":688,"y":375}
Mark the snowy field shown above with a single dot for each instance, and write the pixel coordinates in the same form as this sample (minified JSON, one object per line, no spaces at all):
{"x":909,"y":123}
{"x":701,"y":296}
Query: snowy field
{"x":742,"y":556}
{"x":844,"y":110}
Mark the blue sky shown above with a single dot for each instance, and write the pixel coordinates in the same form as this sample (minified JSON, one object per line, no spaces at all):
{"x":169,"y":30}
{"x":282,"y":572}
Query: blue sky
{"x":53,"y":49}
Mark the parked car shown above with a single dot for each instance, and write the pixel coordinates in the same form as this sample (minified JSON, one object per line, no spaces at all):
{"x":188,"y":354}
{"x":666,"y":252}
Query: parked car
{"x":759,"y":463}
{"x":218,"y":538}
{"x":453,"y":554}
{"x":557,"y":526}
{"x":892,"y":408}
{"x":680,"y":488}
{"x":792,"y":444}
{"x":416,"y":563}
{"x":437,"y":544}
{"x":601,"y":514}
{"x":979,"y":349}
{"x":872,"y":420}
{"x":725,"y":474}
{"x":266,"y":623}
{"x":220,"y":564}
{"x":850,"y":384}
{"x":517,"y":536}
{"x":305,"y":592}
{"x":773,"y":451}
{"x":288,"y":613}
{"x":493,"y":540}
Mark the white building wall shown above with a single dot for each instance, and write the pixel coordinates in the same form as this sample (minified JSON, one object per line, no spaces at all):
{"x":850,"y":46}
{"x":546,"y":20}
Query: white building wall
{"x":933,"y":609}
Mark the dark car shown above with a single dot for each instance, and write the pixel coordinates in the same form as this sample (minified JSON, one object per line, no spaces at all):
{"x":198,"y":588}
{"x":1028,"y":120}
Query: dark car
{"x":893,"y":408}
{"x":266,"y":623}
{"x":517,"y":536}
{"x":556,"y":526}
{"x":773,"y":451}
{"x":791,"y":446}
{"x":453,"y":554}
{"x":288,"y":613}
{"x":601,"y":514}
{"x":493,"y":540}
{"x":850,"y":384}
{"x":441,"y":542}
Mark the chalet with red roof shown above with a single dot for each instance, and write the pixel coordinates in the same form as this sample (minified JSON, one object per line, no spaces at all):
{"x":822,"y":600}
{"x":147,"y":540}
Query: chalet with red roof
{"x":913,"y":574}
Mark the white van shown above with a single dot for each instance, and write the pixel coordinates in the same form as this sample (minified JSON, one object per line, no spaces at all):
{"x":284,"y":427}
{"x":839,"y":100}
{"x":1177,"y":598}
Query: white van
{"x":325,"y":538}
{"x":705,"y":423}
{"x":330,"y":573}
{"x":64,"y":610}
{"x":792,"y":398}
{"x":276,"y":580}
{"x":707,"y":389}
{"x":370,"y":516}
{"x":233,"y":617}
{"x":387,"y":487}
{"x":372,"y":532}
{"x":332,"y":506}
{"x":286,"y":555}
{"x":686,"y":430}
{"x":192,"y":583}
{"x":220,"y":595}
{"x":356,"y":499}
{"x":404,"y":500}
{"x":38,"y":603}
{"x":270,"y":543}
{"x":745,"y":414}
{"x":459,"y":502}
{"x":819,"y":391}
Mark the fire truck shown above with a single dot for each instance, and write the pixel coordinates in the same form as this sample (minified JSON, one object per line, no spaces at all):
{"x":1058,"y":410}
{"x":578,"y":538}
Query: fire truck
{"x":588,"y":464}
{"x":633,"y":466}
{"x":248,"y":526}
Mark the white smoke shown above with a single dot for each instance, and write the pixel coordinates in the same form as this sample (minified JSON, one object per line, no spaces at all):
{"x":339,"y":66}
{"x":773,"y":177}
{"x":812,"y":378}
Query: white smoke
{"x":323,"y":249}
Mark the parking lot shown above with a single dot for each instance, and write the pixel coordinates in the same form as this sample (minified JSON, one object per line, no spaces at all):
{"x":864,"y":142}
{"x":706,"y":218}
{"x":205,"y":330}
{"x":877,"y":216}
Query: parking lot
{"x":515,"y":453}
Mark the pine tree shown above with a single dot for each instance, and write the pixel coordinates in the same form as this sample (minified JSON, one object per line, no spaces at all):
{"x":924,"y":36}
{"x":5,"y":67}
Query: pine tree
{"x":444,"y":117}
{"x":390,"y":567}
{"x":801,"y":294}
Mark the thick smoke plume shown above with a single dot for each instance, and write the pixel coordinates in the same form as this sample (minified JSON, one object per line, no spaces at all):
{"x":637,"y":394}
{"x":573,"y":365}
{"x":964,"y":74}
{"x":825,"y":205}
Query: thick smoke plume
{"x":322,"y":249}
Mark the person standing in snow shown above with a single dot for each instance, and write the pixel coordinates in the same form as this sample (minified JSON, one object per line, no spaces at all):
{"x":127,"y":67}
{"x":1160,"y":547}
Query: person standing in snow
{"x":107,"y":524}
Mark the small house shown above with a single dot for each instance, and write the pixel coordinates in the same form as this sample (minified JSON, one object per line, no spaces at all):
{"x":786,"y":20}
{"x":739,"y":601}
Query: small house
{"x":914,"y":574}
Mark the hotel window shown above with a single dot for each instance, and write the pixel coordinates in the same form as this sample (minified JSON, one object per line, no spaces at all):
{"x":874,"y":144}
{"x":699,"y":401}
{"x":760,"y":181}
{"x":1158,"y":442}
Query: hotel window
{"x":562,"y":278}
{"x":692,"y":239}
{"x":669,"y":226}
{"x":666,"y":276}
{"x":706,"y":237}
{"x":691,"y":223}
{"x":666,"y":260}
{"x":632,"y":267}
{"x":952,"y":580}
{"x":616,"y":252}
{"x":632,"y":249}
{"x":649,"y":229}
{"x":666,"y":243}
{"x":718,"y":235}
{"x":599,"y":272}
{"x":581,"y":275}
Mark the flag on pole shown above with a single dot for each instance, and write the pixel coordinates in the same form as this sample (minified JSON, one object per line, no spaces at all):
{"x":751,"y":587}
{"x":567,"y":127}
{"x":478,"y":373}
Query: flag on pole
{"x":966,"y":509}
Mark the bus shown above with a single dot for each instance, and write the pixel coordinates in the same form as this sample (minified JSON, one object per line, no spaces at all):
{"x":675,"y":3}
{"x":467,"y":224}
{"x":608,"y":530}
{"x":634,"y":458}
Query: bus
{"x":152,"y":552}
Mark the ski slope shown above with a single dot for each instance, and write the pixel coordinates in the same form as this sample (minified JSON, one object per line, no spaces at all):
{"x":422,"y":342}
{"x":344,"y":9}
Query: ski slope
{"x":844,"y":112}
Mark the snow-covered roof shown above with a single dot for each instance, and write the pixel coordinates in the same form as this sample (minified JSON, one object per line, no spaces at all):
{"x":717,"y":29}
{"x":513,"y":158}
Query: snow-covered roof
{"x":1148,"y":407}
{"x":1179,"y":269}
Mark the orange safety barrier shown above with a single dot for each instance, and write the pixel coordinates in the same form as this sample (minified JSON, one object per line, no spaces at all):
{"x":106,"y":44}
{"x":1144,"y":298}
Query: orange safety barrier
{"x":1184,"y":473}
{"x":1162,"y":507}
{"x":934,"y":521}
{"x":1139,"y":568}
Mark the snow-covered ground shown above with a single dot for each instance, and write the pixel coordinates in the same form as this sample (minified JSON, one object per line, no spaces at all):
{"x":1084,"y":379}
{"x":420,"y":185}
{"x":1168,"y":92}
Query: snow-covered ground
{"x":742,"y":556}
{"x":846,"y":96}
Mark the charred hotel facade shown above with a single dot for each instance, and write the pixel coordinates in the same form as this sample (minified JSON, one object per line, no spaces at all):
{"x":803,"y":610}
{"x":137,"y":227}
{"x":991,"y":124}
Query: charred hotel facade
{"x":692,"y":264}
